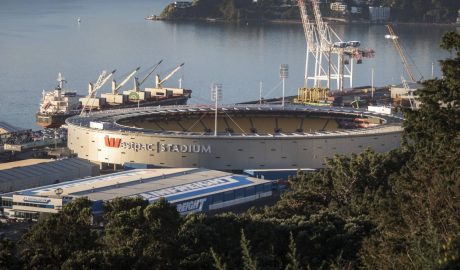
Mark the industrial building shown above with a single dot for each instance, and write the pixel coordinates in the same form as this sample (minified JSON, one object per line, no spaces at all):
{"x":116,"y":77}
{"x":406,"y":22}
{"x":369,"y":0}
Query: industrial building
{"x":190,"y":190}
{"x":247,"y":136}
{"x":31,"y":173}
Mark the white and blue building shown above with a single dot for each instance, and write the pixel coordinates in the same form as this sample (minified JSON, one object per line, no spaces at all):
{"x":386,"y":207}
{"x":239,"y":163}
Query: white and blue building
{"x":190,"y":190}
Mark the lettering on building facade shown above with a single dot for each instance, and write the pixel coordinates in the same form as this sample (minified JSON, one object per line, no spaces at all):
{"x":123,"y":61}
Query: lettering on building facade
{"x":112,"y":142}
{"x":191,"y":206}
{"x":36,"y":199}
{"x":184,"y":189}
{"x":158,"y":147}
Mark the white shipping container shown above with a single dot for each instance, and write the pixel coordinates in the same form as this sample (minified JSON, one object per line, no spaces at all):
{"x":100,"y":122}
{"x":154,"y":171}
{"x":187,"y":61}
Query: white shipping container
{"x":380,"y":109}
{"x":99,"y":125}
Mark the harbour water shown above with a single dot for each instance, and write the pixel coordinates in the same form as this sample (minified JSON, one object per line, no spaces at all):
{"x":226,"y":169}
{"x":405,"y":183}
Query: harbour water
{"x":38,"y":39}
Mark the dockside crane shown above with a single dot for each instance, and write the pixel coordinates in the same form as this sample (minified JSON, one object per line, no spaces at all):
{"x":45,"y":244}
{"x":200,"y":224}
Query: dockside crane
{"x":92,"y":89}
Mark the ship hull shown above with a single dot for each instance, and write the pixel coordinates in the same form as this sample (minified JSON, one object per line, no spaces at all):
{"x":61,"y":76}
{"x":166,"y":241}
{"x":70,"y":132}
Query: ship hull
{"x":57,"y":120}
{"x":51,"y":120}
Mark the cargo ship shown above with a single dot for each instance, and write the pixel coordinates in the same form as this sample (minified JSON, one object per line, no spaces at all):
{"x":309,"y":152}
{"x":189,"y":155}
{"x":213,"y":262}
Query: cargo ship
{"x":59,"y":104}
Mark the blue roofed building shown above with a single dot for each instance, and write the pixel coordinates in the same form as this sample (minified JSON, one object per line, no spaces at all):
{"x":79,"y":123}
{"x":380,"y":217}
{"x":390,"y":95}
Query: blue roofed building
{"x":190,"y":190}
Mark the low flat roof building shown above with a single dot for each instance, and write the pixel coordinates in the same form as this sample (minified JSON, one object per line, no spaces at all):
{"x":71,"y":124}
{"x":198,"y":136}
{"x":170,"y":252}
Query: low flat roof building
{"x":7,"y":128}
{"x":191,"y":190}
{"x":29,"y":173}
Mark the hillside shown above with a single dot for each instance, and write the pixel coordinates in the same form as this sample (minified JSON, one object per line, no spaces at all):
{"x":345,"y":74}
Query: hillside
{"x":231,"y":10}
{"x":423,"y":11}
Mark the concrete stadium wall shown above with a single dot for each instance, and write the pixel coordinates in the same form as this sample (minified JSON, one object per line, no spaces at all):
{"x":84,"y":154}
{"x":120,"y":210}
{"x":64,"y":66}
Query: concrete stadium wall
{"x":225,"y":152}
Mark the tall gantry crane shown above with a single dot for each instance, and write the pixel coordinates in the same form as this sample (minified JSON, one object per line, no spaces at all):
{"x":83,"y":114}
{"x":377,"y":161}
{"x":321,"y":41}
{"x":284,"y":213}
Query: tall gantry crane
{"x":331,"y":55}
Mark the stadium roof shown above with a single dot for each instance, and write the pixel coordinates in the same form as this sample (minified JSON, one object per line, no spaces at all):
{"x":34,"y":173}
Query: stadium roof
{"x":150,"y":184}
{"x":111,"y":119}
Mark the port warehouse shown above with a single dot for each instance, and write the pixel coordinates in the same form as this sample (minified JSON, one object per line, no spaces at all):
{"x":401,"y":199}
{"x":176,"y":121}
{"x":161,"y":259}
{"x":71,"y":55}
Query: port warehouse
{"x":31,"y":173}
{"x":248,"y":136}
{"x":191,"y":190}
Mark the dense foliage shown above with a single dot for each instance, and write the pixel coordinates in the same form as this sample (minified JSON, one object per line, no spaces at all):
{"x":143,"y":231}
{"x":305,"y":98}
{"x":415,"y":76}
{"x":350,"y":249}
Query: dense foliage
{"x":232,"y":10}
{"x":398,"y":210}
{"x":430,"y":11}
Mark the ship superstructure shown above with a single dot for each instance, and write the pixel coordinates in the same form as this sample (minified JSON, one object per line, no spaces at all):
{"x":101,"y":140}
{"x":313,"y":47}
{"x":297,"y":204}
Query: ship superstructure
{"x":56,"y":104}
{"x":59,"y":100}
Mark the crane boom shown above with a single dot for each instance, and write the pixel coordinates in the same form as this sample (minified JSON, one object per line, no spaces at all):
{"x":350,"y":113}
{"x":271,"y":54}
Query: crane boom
{"x":322,"y":27}
{"x":158,"y":82}
{"x":398,"y":47}
{"x":103,"y":78}
{"x":308,"y":27}
{"x":115,"y":87}
{"x":150,"y":73}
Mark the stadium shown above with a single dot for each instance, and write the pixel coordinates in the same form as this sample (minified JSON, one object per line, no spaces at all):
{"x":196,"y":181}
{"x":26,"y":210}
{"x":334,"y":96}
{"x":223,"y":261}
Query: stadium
{"x":247,"y":136}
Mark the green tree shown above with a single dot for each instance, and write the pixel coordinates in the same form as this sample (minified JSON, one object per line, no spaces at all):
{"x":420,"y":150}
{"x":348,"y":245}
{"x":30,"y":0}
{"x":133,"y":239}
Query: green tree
{"x":139,"y":236}
{"x":218,"y":264}
{"x":8,"y":260}
{"x":54,"y":239}
{"x":293,"y":263}
{"x":428,"y":185}
{"x":248,"y":262}
{"x":85,"y":260}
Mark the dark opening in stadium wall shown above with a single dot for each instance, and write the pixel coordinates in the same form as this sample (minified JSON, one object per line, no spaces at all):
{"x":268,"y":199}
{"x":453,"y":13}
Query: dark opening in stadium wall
{"x":248,"y":136}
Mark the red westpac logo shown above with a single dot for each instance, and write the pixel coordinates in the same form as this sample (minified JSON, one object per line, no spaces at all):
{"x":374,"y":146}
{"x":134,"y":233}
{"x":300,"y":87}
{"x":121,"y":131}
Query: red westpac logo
{"x":112,"y":142}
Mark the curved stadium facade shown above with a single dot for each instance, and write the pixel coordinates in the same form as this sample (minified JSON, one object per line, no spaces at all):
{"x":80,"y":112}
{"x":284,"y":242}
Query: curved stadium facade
{"x":248,"y":136}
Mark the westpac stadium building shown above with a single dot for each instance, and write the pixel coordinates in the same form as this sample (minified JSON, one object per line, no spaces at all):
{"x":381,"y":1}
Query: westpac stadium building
{"x":247,"y":137}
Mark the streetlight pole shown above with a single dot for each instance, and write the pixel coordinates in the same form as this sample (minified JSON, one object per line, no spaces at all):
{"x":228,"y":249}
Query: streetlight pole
{"x":284,"y":73}
{"x":372,"y":87}
{"x":216,"y":95}
{"x":260,"y":92}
